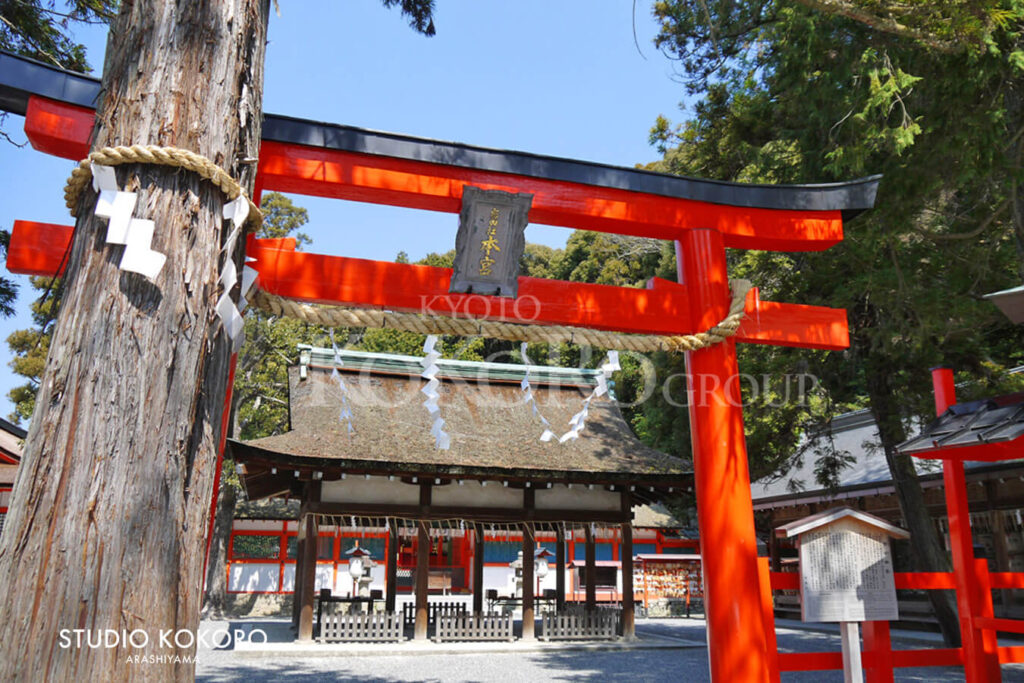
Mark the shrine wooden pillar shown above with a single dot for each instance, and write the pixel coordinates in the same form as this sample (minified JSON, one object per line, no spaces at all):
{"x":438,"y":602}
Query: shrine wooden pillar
{"x":626,"y":560}
{"x":590,"y":568}
{"x":478,"y":569}
{"x":300,"y":549}
{"x":309,"y":555}
{"x":422,"y":569}
{"x":559,"y":568}
{"x":774,"y":553}
{"x":391,"y":568}
{"x":528,"y":551}
{"x":422,"y":581}
{"x":737,"y":640}
{"x":981,"y":658}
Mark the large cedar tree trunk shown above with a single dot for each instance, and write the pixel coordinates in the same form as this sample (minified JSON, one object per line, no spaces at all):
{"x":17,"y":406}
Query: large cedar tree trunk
{"x":109,"y":515}
{"x":929,"y":553}
{"x":215,"y":600}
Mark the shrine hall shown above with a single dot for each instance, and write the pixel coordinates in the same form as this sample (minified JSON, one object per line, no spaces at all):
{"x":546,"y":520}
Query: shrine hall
{"x":433,"y":513}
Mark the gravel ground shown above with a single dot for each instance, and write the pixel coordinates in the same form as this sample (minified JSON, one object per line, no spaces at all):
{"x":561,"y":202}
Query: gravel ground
{"x":677,"y":658}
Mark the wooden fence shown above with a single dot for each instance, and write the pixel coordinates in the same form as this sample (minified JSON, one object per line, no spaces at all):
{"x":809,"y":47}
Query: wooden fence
{"x":367,"y":628}
{"x":577,"y":624}
{"x":474,"y":627}
{"x":434,"y":610}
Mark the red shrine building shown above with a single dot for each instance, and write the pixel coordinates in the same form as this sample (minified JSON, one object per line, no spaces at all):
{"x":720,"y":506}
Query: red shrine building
{"x":452,"y":519}
{"x":11,"y":438}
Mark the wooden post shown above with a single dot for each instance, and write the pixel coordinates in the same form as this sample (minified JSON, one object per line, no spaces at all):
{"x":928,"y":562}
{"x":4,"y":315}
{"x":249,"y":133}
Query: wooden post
{"x":422,"y":567}
{"x":849,"y":634}
{"x":725,"y":511}
{"x":422,"y":581}
{"x":559,"y":568}
{"x":310,"y":553}
{"x":136,"y":366}
{"x":478,"y":569}
{"x":528,"y":550}
{"x":392,"y":567}
{"x":591,"y":569}
{"x":628,"y":613}
{"x":774,"y":554}
{"x":300,"y":549}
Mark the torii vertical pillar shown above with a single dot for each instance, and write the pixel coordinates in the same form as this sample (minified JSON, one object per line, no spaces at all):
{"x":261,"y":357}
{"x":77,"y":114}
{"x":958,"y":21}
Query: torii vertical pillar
{"x":725,"y":511}
{"x":981,"y":658}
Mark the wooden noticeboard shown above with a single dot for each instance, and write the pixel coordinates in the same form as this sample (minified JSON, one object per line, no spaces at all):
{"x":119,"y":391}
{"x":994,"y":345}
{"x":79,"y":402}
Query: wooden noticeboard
{"x":846,"y":574}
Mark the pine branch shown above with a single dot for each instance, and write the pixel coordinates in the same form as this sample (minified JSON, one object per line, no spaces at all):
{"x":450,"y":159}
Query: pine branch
{"x":886,"y":24}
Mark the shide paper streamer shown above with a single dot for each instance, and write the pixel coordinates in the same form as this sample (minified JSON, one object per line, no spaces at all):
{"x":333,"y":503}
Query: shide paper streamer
{"x":529,"y":398}
{"x":578,"y":421}
{"x":441,"y":439}
{"x":135,"y":234}
{"x":235,"y":211}
{"x":346,"y":410}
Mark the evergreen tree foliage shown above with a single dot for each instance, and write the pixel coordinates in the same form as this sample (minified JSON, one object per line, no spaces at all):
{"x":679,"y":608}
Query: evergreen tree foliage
{"x":419,"y":12}
{"x":928,"y":95}
{"x":37,"y":29}
{"x":30,"y":347}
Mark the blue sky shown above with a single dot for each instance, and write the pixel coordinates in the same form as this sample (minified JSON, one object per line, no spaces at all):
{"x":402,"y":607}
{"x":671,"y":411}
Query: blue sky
{"x":562,"y":78}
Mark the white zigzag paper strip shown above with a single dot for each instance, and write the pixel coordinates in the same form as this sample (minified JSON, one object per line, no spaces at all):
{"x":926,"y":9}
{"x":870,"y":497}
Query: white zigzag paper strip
{"x":230,"y":314}
{"x":578,"y":421}
{"x":135,"y":234}
{"x":346,"y":411}
{"x":442,"y":441}
{"x":137,"y":256}
{"x":547,"y":435}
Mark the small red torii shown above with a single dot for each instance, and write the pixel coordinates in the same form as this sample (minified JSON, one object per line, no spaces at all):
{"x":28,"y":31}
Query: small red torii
{"x":702,"y":217}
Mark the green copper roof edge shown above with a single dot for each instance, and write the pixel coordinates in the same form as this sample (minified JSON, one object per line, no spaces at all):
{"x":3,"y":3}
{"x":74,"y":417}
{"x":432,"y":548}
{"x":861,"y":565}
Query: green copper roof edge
{"x":456,"y":369}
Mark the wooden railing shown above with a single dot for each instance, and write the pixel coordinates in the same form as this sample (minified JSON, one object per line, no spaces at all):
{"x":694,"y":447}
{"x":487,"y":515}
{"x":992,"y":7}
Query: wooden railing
{"x":576,"y":624}
{"x":879,"y":658}
{"x":366,"y":628}
{"x":434,"y":610}
{"x":474,"y":627}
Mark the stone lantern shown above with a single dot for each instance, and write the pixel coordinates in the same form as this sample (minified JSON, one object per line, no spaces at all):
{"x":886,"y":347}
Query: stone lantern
{"x":360,"y":566}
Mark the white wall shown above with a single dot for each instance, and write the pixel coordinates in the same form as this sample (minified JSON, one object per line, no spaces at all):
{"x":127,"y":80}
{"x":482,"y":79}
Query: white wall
{"x":253,"y":576}
{"x":372,"y":490}
{"x":579,"y":497}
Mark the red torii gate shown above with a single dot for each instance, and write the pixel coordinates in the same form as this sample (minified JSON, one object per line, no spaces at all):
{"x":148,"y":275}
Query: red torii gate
{"x":702,"y":217}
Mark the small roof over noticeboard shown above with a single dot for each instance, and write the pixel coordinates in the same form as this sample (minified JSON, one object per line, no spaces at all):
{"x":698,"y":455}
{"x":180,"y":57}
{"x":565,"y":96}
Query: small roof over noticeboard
{"x":995,"y":423}
{"x":802,"y":526}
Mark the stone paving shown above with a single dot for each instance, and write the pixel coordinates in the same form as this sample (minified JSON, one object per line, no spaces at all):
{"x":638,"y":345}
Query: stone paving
{"x":669,"y":650}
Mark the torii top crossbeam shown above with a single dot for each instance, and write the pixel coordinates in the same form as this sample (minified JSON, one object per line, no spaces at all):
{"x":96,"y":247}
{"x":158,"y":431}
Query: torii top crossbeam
{"x":329,"y":160}
{"x":702,"y":217}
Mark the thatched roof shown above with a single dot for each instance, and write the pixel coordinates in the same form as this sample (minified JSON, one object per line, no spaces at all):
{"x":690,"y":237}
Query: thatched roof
{"x":493,"y":432}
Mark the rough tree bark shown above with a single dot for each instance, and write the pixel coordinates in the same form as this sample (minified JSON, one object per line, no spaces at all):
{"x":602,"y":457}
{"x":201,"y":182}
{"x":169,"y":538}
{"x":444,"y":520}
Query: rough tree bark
{"x":216,"y":594}
{"x":108,"y":521}
{"x":929,"y":553}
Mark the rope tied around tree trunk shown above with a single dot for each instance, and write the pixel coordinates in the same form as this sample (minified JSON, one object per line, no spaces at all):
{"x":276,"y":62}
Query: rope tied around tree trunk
{"x":176,"y":157}
{"x":330,"y":316}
